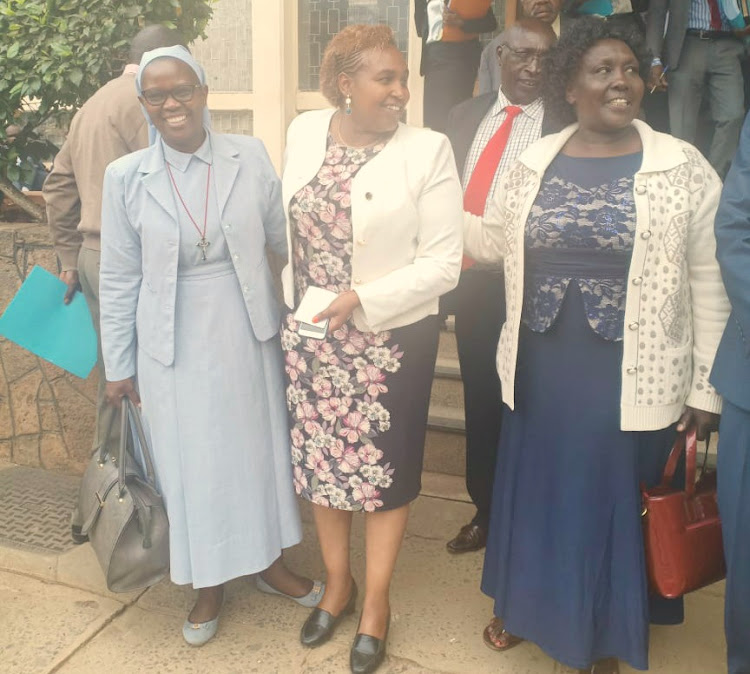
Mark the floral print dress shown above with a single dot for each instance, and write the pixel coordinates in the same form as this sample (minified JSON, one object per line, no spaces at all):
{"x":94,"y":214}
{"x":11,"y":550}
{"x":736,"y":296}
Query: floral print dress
{"x":358,"y":401}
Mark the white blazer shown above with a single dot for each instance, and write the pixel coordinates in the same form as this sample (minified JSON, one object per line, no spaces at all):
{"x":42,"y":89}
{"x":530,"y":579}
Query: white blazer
{"x":406,"y":220}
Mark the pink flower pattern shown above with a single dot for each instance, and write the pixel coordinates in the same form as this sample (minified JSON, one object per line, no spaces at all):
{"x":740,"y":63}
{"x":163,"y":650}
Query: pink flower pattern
{"x":334,"y":385}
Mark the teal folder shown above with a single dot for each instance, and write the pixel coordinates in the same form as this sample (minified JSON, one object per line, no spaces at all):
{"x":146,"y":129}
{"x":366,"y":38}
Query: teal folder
{"x":37,"y":320}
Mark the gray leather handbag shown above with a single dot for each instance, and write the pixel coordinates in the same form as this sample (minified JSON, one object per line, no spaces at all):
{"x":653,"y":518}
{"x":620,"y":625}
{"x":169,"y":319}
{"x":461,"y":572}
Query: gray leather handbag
{"x":121,"y":512}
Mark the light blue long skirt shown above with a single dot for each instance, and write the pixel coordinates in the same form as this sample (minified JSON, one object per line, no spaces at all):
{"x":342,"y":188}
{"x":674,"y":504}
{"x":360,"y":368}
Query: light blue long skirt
{"x":218,"y":428}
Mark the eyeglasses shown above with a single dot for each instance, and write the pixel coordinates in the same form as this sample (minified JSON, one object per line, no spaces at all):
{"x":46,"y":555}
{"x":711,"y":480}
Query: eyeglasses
{"x":182,"y":94}
{"x":524,"y":56}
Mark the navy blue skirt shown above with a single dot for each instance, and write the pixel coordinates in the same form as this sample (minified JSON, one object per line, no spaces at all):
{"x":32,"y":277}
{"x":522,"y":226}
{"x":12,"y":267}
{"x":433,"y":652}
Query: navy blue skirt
{"x":564,"y":560}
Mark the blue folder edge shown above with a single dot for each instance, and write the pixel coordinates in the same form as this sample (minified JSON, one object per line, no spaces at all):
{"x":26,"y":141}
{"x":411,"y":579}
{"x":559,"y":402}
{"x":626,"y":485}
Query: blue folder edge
{"x":37,"y":320}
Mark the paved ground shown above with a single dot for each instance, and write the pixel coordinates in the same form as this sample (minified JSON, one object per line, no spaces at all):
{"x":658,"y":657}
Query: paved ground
{"x":57,"y":616}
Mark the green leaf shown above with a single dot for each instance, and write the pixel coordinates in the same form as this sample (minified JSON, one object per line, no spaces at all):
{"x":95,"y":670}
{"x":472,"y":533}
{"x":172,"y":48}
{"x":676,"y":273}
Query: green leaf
{"x":76,"y":76}
{"x":13,"y":50}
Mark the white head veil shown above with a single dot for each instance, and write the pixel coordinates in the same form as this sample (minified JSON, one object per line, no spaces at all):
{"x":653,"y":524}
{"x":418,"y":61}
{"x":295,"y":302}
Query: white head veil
{"x":181,"y":54}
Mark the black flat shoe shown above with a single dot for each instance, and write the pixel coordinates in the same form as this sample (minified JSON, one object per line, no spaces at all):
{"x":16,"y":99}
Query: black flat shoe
{"x":320,"y":624}
{"x":368,"y":652}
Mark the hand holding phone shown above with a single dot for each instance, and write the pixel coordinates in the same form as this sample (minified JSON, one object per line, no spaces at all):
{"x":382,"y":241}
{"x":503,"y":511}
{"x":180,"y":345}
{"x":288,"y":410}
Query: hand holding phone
{"x":314,"y":302}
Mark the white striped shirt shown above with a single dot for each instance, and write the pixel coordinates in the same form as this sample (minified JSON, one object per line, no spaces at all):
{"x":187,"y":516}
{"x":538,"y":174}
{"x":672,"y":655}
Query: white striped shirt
{"x":526,"y":129}
{"x":699,"y":16}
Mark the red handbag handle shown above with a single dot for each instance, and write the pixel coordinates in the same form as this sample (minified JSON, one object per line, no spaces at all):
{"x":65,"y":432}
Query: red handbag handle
{"x":686,"y":442}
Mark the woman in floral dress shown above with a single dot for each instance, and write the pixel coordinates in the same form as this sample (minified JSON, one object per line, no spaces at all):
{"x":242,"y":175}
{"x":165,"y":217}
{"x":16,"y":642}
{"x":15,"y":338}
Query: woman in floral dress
{"x":375,"y":216}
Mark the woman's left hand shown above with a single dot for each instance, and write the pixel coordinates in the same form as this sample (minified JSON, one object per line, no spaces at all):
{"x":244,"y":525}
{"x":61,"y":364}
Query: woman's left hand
{"x":339,"y":310}
{"x":704,"y":422}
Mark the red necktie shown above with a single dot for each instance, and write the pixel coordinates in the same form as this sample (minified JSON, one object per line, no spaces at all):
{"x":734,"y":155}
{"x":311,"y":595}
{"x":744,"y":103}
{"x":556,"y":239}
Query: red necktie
{"x":475,"y":197}
{"x":713,"y":6}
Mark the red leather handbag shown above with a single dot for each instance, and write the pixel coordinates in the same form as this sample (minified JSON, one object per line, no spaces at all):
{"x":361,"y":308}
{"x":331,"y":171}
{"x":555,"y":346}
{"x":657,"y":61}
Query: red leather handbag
{"x":682,"y":529}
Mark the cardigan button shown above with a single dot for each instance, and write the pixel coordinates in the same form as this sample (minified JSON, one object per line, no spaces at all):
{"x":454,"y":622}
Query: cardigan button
{"x":368,"y":196}
{"x":632,"y":370}
{"x":641,"y":189}
{"x":227,"y":226}
{"x":633,"y":325}
{"x":646,"y":235}
{"x":361,"y":242}
{"x":637,"y":281}
{"x":357,"y":281}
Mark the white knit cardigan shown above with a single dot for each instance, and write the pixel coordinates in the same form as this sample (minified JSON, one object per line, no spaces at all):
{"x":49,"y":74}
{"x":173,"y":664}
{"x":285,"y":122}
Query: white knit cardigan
{"x":676,"y":306}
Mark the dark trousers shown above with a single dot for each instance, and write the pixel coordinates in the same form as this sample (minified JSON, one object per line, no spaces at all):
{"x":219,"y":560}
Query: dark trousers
{"x":710,"y":69}
{"x":478,"y":303}
{"x":450,"y":72}
{"x":734,"y":507}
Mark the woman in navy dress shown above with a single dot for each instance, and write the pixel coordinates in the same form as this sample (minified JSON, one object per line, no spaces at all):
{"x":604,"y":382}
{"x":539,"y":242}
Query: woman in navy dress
{"x":615,"y":308}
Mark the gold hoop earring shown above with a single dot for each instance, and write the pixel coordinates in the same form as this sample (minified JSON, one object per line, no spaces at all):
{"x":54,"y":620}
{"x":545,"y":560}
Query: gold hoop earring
{"x":348,"y":102}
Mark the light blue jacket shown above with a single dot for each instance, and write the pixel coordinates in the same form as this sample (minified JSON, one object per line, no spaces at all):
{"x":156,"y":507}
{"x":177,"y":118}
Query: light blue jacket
{"x":140,"y":246}
{"x":731,"y":371}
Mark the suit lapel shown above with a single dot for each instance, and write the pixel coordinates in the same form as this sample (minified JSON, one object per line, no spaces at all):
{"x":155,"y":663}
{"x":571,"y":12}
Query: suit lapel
{"x":156,"y":180}
{"x":474,"y":115}
{"x":226,"y":167}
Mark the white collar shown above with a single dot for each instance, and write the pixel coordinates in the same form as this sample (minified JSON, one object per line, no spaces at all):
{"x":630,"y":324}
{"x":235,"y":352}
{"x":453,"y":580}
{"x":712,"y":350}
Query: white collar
{"x":181,"y":160}
{"x":535,"y":109}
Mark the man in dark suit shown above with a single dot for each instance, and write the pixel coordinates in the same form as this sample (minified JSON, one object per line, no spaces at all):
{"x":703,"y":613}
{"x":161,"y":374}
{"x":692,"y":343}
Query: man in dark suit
{"x":731,"y":377}
{"x":487,"y":134}
{"x":702,"y":52}
{"x":547,"y":11}
{"x":450,"y":55}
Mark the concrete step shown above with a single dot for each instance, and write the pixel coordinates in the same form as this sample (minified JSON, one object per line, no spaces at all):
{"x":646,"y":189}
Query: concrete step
{"x":440,"y":485}
{"x":447,"y":345}
{"x":447,"y":387}
{"x":447,"y":367}
{"x":445,"y":444}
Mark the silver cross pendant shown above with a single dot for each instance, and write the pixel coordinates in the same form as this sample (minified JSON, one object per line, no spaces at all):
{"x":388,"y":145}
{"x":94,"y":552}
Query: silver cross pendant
{"x":203,"y":244}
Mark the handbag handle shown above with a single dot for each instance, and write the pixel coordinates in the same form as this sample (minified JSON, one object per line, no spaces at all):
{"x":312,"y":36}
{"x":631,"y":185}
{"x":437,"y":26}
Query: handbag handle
{"x":130,"y":411}
{"x":102,"y":449}
{"x":685,"y":442}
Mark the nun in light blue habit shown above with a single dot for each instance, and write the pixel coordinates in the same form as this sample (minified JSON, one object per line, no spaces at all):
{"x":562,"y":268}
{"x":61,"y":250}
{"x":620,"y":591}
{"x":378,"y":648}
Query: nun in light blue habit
{"x":188,"y":311}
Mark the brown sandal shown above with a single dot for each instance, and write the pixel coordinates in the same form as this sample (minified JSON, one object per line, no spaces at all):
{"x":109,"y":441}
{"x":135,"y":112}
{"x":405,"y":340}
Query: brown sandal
{"x":496,"y":638}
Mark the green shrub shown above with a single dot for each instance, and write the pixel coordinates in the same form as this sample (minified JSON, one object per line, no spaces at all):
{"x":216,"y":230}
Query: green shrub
{"x":54,"y":54}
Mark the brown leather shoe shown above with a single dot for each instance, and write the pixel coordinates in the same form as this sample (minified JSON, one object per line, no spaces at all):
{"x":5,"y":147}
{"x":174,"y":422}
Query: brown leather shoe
{"x":471,"y":537}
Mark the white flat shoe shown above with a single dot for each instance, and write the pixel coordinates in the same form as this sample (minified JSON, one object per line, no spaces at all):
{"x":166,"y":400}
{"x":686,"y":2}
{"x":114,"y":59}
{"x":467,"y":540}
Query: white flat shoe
{"x":310,"y":600}
{"x":197,"y":634}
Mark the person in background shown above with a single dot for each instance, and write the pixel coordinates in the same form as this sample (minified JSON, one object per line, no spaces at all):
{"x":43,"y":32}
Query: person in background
{"x":615,"y":308}
{"x":109,"y":125}
{"x":546,"y":11}
{"x":625,"y":14}
{"x":731,"y":377}
{"x":188,"y":306}
{"x":450,"y":53}
{"x":374,"y":211}
{"x":487,"y":134}
{"x":698,"y":56}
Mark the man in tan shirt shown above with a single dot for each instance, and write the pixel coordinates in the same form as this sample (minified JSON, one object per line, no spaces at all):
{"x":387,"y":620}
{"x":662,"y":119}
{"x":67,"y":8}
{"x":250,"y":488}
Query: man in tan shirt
{"x":109,"y":125}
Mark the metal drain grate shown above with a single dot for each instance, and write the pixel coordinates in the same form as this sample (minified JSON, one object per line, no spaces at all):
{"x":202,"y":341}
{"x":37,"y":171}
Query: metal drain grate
{"x":35,"y":506}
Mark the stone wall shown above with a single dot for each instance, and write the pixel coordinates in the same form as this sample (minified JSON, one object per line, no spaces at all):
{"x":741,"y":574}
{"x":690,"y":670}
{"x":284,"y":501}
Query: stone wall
{"x":46,"y":414}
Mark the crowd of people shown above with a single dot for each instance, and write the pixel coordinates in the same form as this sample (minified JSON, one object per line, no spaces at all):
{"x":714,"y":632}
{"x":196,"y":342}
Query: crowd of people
{"x":601,"y":305}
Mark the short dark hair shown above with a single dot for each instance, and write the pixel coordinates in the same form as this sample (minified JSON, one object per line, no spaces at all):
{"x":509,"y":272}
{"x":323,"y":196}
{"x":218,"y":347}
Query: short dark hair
{"x":564,"y":61}
{"x":153,"y":37}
